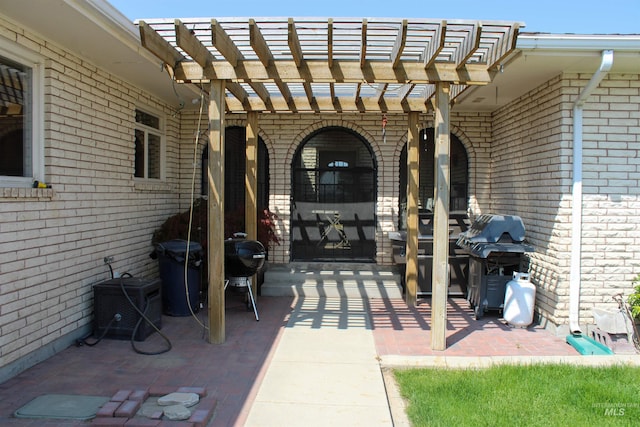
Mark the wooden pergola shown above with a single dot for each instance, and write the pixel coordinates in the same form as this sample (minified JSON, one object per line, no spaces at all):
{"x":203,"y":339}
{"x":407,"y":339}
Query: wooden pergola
{"x":313,"y":65}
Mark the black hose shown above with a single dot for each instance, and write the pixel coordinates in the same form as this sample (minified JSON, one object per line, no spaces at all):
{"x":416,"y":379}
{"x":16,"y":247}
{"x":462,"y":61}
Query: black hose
{"x":83,"y":341}
{"x":143,"y":316}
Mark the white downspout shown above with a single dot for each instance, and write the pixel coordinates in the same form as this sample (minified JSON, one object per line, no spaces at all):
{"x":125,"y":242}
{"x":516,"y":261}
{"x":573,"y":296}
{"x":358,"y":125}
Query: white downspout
{"x":576,"y":205}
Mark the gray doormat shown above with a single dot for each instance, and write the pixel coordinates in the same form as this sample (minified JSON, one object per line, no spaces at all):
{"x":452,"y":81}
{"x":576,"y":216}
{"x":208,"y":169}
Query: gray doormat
{"x":62,"y":406}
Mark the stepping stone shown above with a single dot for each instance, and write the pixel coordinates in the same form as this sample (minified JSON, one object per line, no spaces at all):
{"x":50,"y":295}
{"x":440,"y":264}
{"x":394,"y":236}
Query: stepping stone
{"x":185,"y":399}
{"x":177,"y":412}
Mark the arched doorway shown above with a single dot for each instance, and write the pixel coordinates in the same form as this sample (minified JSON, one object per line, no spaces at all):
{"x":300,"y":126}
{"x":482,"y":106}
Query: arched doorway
{"x":333,"y":198}
{"x":459,"y":175}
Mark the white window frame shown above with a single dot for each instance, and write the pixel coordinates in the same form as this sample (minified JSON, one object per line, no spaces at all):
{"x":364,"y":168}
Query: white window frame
{"x":19,"y":54}
{"x":158,"y":132}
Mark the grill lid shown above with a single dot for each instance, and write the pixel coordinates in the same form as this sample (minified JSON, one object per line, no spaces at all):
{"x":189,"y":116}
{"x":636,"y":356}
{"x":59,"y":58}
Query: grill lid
{"x":494,"y":233}
{"x":496,"y":228}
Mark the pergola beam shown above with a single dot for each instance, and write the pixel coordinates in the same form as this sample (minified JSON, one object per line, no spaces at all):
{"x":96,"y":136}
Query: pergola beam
{"x":363,"y":44}
{"x":507,"y":46}
{"x":471,"y":45}
{"x":404,"y":92}
{"x":194,"y":48}
{"x":398,"y":47}
{"x":381,"y":89}
{"x":223,"y":43}
{"x":324,"y":104}
{"x":265,"y":57}
{"x":259,"y":44}
{"x":240,"y":94}
{"x":318,"y":71}
{"x":263,"y":94}
{"x":294,"y":43}
{"x":157,"y":45}
{"x":434,"y":48}
{"x":330,"y":42}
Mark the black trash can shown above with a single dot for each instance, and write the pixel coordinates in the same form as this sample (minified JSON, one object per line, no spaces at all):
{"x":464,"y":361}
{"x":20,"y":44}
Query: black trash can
{"x":171,"y":263}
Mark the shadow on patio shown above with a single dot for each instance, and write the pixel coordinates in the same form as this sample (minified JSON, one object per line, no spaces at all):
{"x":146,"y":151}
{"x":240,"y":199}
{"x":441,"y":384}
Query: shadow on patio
{"x":404,"y":331}
{"x":231,"y":373}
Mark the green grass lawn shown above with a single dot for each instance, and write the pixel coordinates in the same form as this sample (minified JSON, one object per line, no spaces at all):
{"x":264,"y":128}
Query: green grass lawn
{"x":534,"y":395}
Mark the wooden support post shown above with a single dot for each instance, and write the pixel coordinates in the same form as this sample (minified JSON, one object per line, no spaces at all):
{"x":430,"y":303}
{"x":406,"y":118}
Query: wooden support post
{"x":251,"y":184}
{"x":440,"y":278}
{"x":216,"y":213}
{"x":413,"y":186}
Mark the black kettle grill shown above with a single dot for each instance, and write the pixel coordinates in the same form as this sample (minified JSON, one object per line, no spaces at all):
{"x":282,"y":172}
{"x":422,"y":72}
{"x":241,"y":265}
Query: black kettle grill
{"x":242,"y":259}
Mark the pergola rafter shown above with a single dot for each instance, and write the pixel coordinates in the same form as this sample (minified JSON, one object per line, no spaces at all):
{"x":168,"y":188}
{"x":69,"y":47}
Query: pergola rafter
{"x":261,"y":58}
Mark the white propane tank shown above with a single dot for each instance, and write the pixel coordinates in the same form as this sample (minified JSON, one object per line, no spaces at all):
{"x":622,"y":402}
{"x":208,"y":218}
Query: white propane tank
{"x":519,"y":300}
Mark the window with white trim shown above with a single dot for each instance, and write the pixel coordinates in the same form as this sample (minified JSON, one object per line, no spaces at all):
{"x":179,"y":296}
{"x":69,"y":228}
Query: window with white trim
{"x":149,"y":146}
{"x":21,"y":117}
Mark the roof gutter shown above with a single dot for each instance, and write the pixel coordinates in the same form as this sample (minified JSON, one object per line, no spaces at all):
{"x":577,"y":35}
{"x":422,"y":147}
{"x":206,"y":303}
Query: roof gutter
{"x":578,"y":42}
{"x":576,"y":214}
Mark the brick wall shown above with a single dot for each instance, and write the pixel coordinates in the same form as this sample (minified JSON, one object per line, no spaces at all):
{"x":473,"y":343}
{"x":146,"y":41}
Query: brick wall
{"x":531,"y":176}
{"x":283,"y":134}
{"x":53,"y":241}
{"x":611,"y":188}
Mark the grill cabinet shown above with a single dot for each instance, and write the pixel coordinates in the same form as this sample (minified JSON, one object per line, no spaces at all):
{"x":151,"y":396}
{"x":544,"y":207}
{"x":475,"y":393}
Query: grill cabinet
{"x":458,"y":260}
{"x":495,"y":244}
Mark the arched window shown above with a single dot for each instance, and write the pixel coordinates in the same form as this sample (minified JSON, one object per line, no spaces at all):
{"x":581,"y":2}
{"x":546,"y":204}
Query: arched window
{"x":234,"y":173}
{"x":459,"y":175}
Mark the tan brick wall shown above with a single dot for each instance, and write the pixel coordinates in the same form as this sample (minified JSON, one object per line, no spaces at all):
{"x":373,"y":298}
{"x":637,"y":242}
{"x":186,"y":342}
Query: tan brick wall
{"x":53,"y":241}
{"x":531,"y":176}
{"x":283,"y":134}
{"x":611,"y":187}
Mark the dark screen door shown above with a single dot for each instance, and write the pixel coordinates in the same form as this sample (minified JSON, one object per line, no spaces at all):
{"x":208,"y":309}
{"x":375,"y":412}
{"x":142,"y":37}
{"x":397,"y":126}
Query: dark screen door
{"x":333,"y":209}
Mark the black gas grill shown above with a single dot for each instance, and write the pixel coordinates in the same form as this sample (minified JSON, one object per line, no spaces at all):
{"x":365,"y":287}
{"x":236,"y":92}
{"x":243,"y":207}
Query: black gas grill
{"x":496,"y":244}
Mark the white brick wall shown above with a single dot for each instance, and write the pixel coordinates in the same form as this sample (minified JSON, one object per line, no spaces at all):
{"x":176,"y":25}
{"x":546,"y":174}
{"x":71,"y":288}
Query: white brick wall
{"x":53,"y":241}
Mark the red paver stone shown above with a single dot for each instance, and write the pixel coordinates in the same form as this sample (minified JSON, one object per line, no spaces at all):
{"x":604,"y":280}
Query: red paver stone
{"x":175,"y":424}
{"x":109,"y":422}
{"x":108,"y":409}
{"x":200,"y":391}
{"x":142,"y":422}
{"x":161,"y":390}
{"x":128,"y":408}
{"x":139,"y":395}
{"x":121,"y":396}
{"x":200,"y":417}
